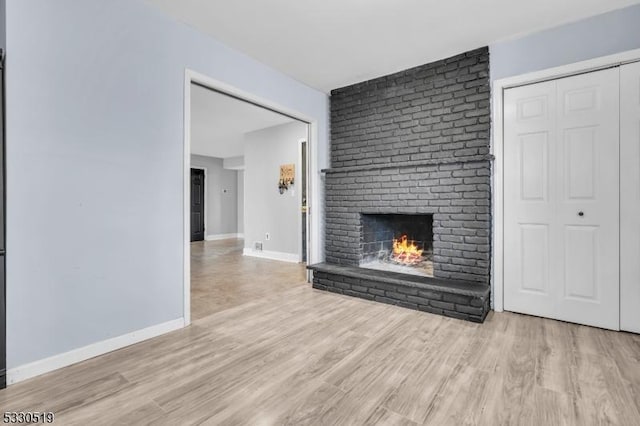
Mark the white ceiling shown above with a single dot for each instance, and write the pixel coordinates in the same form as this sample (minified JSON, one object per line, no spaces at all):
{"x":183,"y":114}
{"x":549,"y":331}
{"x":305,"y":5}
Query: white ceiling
{"x":219,"y":122}
{"x":329,"y":44}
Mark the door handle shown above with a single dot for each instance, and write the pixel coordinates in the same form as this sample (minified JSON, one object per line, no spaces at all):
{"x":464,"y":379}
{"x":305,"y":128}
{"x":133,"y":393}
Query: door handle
{"x":581,"y":214}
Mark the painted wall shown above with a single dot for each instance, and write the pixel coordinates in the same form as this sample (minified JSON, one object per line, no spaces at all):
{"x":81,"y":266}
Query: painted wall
{"x":240,"y":209}
{"x":234,"y":163}
{"x":3,"y":21}
{"x":221,"y":186}
{"x":265,"y":209}
{"x":95,"y":165}
{"x":590,"y":38}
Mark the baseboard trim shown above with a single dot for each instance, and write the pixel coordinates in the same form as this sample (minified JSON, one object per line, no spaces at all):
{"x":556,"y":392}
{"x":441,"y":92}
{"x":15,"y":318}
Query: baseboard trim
{"x":36,"y":368}
{"x":216,"y":237}
{"x":272,"y":255}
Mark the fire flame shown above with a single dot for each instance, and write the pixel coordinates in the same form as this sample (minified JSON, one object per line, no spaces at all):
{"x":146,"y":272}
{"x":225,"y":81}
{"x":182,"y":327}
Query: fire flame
{"x":405,"y":252}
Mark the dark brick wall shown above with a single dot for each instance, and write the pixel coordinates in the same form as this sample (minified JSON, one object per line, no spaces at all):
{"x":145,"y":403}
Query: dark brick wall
{"x":470,"y":307}
{"x":415,"y":142}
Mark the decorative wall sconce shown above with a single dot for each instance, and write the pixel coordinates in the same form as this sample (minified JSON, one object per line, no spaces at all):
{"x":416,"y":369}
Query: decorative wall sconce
{"x":287,"y":174}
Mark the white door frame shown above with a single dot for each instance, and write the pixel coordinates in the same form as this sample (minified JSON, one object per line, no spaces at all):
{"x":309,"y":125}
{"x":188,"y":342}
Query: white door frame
{"x":497,"y":145}
{"x":206,"y":204}
{"x":191,"y":76}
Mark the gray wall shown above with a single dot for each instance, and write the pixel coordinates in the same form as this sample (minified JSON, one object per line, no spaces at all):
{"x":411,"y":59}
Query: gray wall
{"x":240,"y":197}
{"x":95,"y":131}
{"x":222,"y":196}
{"x":234,"y":162}
{"x":590,"y":38}
{"x":412,"y":142}
{"x":266,"y":210}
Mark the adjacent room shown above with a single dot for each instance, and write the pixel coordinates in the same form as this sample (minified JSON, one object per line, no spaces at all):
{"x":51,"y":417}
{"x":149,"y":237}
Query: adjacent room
{"x":248,"y":198}
{"x":320,"y":213}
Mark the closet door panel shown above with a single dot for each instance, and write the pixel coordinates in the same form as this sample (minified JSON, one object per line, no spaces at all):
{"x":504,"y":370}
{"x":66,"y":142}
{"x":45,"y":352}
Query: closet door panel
{"x":630,"y":197}
{"x":561,"y":199}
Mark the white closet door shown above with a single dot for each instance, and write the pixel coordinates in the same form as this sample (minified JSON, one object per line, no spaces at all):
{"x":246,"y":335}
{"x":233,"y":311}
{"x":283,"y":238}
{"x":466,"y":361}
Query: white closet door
{"x":562,"y":199}
{"x":529,"y":194}
{"x":630,"y":197}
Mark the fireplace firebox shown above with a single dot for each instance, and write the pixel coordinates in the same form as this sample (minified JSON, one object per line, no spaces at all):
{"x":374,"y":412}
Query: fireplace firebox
{"x":397,"y":242}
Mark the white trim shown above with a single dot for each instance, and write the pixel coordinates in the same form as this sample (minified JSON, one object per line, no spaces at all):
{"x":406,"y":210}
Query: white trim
{"x":36,"y":368}
{"x":497,"y":254}
{"x":272,"y":255}
{"x":314,"y":193}
{"x":497,"y":144}
{"x":186,"y":189}
{"x":206,"y":189}
{"x":314,"y":235}
{"x":216,"y":237}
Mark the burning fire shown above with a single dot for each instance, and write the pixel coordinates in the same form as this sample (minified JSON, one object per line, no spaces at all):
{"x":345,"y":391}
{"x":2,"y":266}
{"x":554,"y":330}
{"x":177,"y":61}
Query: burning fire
{"x":405,"y":252}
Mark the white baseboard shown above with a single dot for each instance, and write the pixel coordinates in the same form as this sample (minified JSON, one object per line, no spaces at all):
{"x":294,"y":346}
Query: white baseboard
{"x":216,"y":237}
{"x":36,"y":368}
{"x":273,"y":255}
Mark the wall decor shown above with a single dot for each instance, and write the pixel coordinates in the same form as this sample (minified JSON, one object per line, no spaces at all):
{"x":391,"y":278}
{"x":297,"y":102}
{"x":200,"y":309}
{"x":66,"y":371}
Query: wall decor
{"x":287,"y":174}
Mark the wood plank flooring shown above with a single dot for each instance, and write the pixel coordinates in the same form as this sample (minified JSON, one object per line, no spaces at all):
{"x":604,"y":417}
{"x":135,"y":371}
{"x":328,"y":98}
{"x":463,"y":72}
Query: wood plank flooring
{"x":276,"y":352}
{"x":222,"y":278}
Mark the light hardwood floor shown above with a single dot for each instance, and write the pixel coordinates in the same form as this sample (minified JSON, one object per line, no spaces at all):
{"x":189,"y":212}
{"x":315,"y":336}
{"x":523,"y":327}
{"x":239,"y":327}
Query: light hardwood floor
{"x":293,"y":355}
{"x":222,"y":278}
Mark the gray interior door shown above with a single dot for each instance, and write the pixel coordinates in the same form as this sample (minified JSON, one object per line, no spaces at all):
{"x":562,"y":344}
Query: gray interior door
{"x":197,"y":205}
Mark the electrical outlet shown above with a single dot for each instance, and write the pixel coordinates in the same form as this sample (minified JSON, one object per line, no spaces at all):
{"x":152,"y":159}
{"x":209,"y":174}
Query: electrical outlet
{"x":267,"y":236}
{"x":258,"y":245}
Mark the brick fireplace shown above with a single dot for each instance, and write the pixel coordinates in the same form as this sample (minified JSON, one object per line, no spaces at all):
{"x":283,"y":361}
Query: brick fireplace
{"x":411,"y":151}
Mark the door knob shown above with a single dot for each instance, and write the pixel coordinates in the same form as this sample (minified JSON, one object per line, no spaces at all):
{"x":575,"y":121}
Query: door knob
{"x":580,"y":214}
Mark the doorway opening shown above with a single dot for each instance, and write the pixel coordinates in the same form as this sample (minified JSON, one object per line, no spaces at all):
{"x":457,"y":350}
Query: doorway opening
{"x":248,"y":198}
